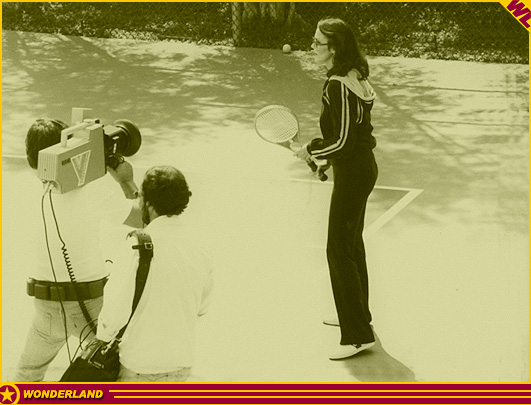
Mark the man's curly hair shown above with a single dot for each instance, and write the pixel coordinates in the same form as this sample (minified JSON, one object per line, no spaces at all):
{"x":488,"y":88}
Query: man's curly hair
{"x":166,"y":190}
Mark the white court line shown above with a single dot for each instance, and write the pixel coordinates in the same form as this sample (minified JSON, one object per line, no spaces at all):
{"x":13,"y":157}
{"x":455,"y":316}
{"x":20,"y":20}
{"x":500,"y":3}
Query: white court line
{"x":383,"y":219}
{"x":411,"y":194}
{"x":8,"y":156}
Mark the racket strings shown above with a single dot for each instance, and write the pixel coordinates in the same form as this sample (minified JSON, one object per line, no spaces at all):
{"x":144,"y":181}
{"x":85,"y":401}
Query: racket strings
{"x":276,"y":125}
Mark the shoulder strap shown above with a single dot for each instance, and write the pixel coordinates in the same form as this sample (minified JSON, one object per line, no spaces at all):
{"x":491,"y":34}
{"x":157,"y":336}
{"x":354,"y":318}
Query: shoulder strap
{"x":145,"y":248}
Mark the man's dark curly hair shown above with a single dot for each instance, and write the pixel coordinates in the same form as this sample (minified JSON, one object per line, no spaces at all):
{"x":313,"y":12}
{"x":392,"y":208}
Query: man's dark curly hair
{"x":348,"y":54}
{"x":41,"y":135}
{"x":166,"y":190}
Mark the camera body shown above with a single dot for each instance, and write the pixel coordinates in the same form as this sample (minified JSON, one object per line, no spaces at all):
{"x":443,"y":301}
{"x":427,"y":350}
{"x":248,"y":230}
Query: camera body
{"x":86,"y":149}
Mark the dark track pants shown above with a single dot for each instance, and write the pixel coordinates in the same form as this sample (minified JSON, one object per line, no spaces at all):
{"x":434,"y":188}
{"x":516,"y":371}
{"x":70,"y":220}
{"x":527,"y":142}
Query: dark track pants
{"x":353,"y":182}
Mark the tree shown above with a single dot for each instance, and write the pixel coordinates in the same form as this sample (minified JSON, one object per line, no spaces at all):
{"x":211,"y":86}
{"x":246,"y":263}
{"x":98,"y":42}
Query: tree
{"x":246,"y":15}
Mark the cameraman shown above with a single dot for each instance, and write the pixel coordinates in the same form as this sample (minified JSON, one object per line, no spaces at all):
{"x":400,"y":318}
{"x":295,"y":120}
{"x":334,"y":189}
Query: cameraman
{"x":158,"y":345}
{"x":69,"y":242}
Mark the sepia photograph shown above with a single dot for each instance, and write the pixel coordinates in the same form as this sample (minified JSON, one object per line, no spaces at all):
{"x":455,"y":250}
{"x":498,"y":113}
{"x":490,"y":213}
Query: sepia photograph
{"x":284,"y":192}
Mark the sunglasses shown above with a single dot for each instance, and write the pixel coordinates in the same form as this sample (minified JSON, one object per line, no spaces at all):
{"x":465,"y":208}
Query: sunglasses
{"x":317,"y":43}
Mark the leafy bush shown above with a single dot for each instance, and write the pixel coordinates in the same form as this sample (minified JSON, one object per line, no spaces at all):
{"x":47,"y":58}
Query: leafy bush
{"x":483,"y":32}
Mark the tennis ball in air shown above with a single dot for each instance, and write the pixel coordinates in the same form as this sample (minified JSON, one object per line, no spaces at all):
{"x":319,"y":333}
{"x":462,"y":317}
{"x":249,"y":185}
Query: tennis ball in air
{"x":286,"y":48}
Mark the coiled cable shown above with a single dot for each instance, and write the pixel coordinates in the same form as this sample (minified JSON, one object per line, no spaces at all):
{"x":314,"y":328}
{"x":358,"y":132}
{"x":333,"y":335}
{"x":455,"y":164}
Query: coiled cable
{"x":47,"y":190}
{"x":68,"y":264}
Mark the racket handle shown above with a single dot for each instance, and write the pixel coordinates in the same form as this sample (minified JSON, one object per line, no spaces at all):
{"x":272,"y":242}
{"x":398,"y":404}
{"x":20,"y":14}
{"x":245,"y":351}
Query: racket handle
{"x":315,"y":168}
{"x":312,"y":165}
{"x":322,"y":166}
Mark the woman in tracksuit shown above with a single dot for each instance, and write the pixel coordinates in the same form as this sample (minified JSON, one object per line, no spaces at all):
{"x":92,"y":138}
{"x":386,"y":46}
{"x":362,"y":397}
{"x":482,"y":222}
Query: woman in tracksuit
{"x":347,"y":143}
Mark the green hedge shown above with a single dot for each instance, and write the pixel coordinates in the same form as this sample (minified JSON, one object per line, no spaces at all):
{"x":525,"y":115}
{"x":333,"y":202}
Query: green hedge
{"x":462,"y":31}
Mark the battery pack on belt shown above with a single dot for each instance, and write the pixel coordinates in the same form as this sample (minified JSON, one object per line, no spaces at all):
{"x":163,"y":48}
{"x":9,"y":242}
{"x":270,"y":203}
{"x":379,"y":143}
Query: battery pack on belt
{"x":50,"y":291}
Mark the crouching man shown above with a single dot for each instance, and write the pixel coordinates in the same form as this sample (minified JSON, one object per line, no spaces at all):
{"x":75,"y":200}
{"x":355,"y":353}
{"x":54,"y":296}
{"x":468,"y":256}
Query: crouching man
{"x":158,"y":344}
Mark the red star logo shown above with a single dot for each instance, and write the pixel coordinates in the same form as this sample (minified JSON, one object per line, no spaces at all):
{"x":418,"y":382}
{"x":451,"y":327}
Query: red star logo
{"x":9,"y":394}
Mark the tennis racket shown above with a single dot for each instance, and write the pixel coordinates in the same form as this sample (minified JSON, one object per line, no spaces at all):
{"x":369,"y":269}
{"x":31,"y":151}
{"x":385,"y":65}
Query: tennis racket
{"x":279,"y":125}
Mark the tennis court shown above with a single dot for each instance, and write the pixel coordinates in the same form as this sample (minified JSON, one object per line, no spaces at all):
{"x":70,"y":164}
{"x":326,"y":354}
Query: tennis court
{"x":447,"y":225}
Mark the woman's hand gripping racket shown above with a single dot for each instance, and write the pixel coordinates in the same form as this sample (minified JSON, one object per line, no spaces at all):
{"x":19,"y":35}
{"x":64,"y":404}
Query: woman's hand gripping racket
{"x":279,"y":125}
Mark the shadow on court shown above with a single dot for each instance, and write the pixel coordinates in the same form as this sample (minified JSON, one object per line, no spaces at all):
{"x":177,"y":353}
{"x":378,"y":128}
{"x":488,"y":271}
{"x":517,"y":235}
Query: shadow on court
{"x":448,"y":272}
{"x":377,"y":365}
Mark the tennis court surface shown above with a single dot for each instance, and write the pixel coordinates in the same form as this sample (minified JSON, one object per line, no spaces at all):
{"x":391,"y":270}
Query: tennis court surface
{"x":447,"y":225}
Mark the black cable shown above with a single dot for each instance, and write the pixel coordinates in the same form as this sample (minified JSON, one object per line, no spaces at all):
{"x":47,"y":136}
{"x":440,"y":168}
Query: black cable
{"x":69,"y":268}
{"x":53,"y":270}
{"x":82,"y":339}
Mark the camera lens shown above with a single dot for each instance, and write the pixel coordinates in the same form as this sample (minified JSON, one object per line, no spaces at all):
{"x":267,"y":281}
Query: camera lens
{"x":130,"y":139}
{"x":120,"y":139}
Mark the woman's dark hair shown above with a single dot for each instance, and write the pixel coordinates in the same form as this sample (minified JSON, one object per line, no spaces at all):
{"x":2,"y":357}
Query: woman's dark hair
{"x":166,"y":190}
{"x":347,"y":55}
{"x":41,"y":135}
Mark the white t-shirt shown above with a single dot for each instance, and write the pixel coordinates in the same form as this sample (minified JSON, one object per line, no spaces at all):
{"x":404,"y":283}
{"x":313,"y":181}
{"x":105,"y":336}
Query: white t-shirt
{"x":161,"y":335}
{"x":86,"y":219}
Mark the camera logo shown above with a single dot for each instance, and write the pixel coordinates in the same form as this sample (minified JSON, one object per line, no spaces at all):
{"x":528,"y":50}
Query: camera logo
{"x":80,"y":163}
{"x":9,"y":394}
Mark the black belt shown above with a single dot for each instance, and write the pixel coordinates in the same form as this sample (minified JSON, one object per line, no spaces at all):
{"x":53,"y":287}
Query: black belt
{"x":50,"y":291}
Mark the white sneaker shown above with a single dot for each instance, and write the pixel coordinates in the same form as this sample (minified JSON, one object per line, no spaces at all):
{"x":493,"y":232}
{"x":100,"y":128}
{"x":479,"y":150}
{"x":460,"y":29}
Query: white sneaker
{"x":332,"y":321}
{"x":344,"y":351}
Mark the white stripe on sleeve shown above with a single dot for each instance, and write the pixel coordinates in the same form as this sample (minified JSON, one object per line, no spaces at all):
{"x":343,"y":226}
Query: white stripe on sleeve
{"x":344,"y":127}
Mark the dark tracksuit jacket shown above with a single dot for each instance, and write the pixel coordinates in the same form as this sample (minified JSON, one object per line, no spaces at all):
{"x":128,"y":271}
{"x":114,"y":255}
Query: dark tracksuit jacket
{"x":348,"y":143}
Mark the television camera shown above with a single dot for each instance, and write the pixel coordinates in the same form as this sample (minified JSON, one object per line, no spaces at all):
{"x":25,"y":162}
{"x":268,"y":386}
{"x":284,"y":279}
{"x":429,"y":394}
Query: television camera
{"x":86,"y":149}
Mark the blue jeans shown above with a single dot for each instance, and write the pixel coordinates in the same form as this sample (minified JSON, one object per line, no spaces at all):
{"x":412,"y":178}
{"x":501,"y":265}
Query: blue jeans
{"x":179,"y":375}
{"x":47,"y":335}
